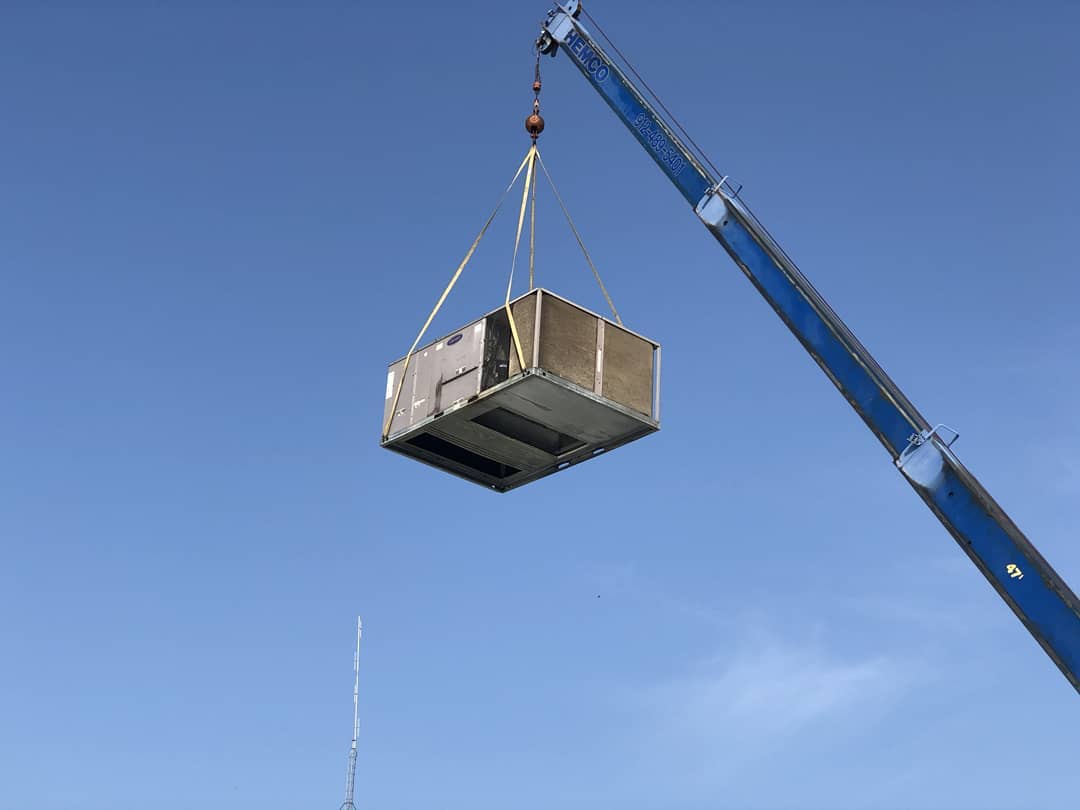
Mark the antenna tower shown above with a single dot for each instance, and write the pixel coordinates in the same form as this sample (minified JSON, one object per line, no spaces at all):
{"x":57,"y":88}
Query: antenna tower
{"x":350,"y":772}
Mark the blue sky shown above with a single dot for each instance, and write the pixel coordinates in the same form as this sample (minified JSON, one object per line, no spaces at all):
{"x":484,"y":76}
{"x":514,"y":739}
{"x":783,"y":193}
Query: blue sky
{"x":220,"y":222}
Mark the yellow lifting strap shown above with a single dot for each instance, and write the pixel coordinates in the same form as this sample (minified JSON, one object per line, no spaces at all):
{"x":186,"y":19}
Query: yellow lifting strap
{"x":581,"y":244}
{"x":529,"y":177}
{"x":457,"y":274}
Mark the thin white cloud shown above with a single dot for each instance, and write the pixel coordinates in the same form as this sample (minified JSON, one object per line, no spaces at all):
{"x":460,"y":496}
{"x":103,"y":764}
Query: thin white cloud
{"x":770,"y":689}
{"x":924,"y":612}
{"x":741,"y":708}
{"x":771,"y":685}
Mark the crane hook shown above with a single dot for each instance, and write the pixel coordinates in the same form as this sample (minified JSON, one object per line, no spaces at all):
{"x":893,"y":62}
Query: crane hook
{"x":534,"y":124}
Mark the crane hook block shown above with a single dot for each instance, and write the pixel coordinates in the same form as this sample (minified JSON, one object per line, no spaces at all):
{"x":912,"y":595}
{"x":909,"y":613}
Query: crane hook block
{"x":534,"y":124}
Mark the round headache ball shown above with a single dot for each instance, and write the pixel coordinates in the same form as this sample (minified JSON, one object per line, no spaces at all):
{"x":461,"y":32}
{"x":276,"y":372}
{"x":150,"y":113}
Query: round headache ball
{"x":534,"y":124}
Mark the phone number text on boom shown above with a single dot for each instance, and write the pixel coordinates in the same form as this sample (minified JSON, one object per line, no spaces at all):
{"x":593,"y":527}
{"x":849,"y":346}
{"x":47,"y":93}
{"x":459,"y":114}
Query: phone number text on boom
{"x":655,"y":138}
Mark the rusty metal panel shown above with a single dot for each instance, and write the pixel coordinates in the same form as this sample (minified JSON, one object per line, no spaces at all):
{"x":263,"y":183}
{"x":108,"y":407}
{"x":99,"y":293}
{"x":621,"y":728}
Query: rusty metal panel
{"x":568,"y":342}
{"x":628,"y":369}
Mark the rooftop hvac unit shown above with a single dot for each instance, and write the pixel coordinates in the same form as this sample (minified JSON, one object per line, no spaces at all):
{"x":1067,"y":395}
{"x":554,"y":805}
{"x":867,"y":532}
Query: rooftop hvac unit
{"x":468,"y":407}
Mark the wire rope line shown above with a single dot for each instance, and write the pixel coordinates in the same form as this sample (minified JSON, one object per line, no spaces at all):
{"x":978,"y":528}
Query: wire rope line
{"x":532,"y":229}
{"x":700,"y":152}
{"x":581,"y":244}
{"x":446,"y":292}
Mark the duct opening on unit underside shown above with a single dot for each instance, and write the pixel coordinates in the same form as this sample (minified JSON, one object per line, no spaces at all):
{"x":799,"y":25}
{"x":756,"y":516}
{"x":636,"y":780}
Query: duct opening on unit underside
{"x":528,"y":432}
{"x":438,"y":446}
{"x":508,"y":424}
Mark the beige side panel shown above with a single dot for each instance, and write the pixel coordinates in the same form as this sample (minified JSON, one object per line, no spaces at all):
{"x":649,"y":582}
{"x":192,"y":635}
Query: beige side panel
{"x":568,"y":342}
{"x":628,"y":369}
{"x":525,"y":320}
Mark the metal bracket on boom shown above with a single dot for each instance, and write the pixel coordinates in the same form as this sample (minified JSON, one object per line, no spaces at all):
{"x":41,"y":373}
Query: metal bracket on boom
{"x":943,"y":432}
{"x":712,"y":208}
{"x":921,"y":461}
{"x":726,"y":186}
{"x":546,"y":43}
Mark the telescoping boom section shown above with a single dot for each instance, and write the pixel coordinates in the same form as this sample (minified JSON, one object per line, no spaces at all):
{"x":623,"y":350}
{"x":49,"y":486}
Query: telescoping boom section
{"x":921,"y":451}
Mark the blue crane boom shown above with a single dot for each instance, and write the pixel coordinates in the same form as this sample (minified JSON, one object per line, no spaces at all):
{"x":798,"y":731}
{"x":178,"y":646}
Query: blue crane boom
{"x":922,"y":452}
